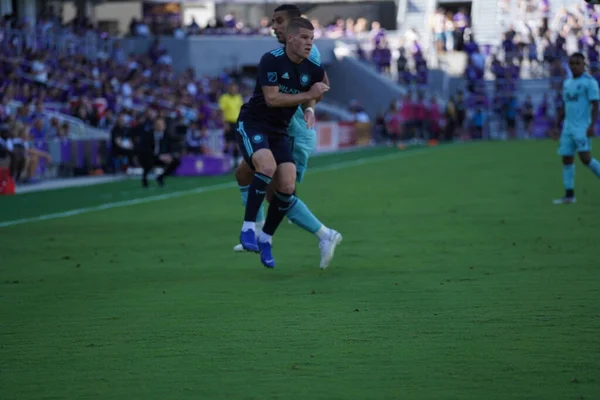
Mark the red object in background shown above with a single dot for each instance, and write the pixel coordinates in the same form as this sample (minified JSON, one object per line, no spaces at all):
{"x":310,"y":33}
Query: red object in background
{"x":347,"y":134}
{"x":100,"y":105}
{"x":7,"y":183}
{"x":420,"y":111}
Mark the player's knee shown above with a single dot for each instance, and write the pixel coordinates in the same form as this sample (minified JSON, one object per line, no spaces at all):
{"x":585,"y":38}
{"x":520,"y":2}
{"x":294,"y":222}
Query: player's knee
{"x":287,"y":188}
{"x":585,"y":158}
{"x":567,"y":160}
{"x":264,"y":162}
{"x":287,"y":184}
{"x":286,"y":178}
{"x":267,"y":169}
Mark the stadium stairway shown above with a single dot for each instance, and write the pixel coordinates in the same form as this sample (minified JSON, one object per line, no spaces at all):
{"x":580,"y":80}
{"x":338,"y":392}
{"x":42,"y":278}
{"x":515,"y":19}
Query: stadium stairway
{"x":487,"y":18}
{"x":352,"y":79}
{"x":373,"y":90}
{"x":414,"y":14}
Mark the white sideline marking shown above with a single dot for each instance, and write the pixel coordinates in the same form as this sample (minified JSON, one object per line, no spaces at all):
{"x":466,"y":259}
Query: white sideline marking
{"x":203,"y":189}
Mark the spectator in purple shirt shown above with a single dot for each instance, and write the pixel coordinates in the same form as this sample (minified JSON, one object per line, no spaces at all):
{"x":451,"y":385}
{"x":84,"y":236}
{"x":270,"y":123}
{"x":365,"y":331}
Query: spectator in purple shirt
{"x":38,"y":131}
{"x":509,"y":47}
{"x":557,"y":74}
{"x":471,"y":46}
{"x":461,"y":22}
{"x":532,"y":54}
{"x":230,"y":20}
{"x":382,"y":56}
{"x":542,"y":109}
{"x":471,"y":75}
{"x":377,"y":32}
{"x":593,"y":57}
{"x":545,"y":11}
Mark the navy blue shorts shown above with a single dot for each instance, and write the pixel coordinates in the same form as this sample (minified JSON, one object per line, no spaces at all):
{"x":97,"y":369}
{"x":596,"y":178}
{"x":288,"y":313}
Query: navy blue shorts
{"x":251,"y":138}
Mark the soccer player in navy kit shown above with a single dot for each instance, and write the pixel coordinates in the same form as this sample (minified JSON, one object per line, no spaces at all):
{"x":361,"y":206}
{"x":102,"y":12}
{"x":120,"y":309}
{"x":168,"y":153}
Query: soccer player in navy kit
{"x":286,"y":79}
{"x":303,"y":140}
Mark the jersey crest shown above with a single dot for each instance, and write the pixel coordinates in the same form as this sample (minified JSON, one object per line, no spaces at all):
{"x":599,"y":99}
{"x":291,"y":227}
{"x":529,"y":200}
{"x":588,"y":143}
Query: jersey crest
{"x":304,"y":79}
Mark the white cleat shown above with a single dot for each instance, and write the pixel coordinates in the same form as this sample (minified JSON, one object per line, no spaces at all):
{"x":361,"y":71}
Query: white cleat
{"x":327,"y":247}
{"x":565,"y":200}
{"x":238,"y":248}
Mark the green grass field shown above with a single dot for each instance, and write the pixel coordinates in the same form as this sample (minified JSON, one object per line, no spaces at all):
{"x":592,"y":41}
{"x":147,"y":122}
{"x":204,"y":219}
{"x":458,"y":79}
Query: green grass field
{"x":457,"y":279}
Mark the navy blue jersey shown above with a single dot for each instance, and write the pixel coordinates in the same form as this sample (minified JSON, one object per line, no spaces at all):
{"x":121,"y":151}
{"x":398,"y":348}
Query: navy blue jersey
{"x":276,"y":69}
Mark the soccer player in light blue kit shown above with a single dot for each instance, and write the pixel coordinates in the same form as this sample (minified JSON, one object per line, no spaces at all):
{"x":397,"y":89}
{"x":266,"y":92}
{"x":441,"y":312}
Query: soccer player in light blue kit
{"x":304,"y":137}
{"x":579,"y":113}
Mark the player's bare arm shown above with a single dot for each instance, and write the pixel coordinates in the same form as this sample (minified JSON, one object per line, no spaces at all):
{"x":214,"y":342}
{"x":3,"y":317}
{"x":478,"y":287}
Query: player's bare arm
{"x":275,"y":98}
{"x":561,"y":115}
{"x":309,"y":104}
{"x":313,"y":103}
{"x":325,"y":81}
{"x":559,"y":121}
{"x":594,"y":105}
{"x":309,"y":113}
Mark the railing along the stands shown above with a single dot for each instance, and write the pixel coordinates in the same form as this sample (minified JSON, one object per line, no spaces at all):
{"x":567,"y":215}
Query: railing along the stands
{"x":77,"y":128}
{"x":84,"y":154}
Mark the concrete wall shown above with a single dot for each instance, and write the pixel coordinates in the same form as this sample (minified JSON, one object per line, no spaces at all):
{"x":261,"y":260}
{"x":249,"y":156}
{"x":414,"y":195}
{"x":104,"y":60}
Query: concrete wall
{"x":210,"y":55}
{"x":353,"y":80}
{"x":121,"y":12}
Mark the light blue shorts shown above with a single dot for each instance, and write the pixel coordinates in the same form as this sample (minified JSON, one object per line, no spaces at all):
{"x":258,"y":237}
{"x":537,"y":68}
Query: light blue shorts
{"x":571,"y":144}
{"x":304,"y":142}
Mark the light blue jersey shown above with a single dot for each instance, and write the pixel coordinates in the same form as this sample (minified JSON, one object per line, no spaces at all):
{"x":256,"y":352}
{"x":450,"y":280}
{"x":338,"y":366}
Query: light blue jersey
{"x":577,"y":95}
{"x":304,"y":140}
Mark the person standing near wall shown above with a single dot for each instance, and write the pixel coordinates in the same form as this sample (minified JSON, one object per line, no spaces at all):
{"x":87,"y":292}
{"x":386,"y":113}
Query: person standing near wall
{"x":230,"y":104}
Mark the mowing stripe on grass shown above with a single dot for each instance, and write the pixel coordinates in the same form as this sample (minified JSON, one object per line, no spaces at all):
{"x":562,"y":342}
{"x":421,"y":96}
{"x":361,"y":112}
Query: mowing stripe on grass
{"x":203,"y":189}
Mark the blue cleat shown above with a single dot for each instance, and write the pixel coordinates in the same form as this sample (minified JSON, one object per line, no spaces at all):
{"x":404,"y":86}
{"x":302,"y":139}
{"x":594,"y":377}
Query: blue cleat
{"x":248,"y":240}
{"x":266,"y":256}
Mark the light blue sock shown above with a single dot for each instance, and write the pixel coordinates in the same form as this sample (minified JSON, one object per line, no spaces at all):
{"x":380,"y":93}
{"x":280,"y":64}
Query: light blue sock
{"x":260,"y":217}
{"x":569,"y":176}
{"x":301,"y":216}
{"x":594,"y":165}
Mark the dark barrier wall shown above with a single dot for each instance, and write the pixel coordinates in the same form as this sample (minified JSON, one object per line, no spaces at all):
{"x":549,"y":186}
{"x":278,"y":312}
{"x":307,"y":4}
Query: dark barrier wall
{"x":210,"y":55}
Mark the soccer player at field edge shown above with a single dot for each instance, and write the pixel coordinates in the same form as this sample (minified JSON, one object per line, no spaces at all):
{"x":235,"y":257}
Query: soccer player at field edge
{"x":302,"y":131}
{"x":579,"y":114}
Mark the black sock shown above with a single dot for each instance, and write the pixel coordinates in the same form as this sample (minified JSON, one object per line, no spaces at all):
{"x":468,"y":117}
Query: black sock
{"x":170,"y":168}
{"x":145,"y":174}
{"x":280,"y":204}
{"x":570,"y":193}
{"x":256,"y":195}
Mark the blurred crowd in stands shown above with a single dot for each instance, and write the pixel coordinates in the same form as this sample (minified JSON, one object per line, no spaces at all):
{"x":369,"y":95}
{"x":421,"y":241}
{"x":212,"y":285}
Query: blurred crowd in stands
{"x":535,"y":45}
{"x":449,"y":29}
{"x":231,"y":25}
{"x":42,"y":84}
{"x":461,"y":117}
